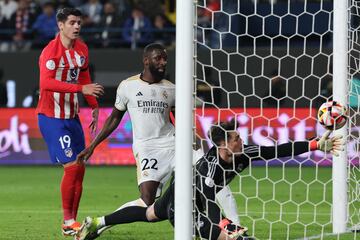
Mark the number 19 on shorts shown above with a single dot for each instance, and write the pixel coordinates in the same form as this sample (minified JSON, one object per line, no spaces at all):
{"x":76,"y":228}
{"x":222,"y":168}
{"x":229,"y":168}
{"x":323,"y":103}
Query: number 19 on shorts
{"x":65,"y":141}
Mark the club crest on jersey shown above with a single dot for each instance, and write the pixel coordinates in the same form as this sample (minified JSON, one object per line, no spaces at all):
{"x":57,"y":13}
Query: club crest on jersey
{"x":165,"y":94}
{"x":50,"y":64}
{"x":68,"y":152}
{"x":209,"y":182}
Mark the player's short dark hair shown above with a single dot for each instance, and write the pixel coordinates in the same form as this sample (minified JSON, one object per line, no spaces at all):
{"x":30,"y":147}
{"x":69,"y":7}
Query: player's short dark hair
{"x":153,"y":46}
{"x":64,"y":13}
{"x":217,"y":133}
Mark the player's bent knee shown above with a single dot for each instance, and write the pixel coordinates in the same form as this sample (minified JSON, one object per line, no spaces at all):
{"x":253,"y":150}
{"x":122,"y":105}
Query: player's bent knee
{"x":150,"y":214}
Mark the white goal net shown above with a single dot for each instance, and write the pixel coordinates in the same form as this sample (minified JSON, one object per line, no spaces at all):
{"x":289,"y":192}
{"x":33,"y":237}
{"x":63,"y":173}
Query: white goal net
{"x":268,"y":63}
{"x":354,"y":126}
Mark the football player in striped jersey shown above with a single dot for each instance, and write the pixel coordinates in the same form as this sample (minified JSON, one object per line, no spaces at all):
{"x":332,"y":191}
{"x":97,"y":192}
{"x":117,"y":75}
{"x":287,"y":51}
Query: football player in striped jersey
{"x":64,"y":72}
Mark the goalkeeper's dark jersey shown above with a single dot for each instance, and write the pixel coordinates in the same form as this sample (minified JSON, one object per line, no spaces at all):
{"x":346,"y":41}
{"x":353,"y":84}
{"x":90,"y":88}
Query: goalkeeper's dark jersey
{"x":213,"y":173}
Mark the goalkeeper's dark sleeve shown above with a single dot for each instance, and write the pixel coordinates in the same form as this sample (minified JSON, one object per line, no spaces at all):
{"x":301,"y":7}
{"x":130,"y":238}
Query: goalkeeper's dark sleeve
{"x":210,"y":212}
{"x":283,"y":150}
{"x":208,"y":193}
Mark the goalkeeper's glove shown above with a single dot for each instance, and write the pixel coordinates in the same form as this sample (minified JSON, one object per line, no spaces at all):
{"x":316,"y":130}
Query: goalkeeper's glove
{"x":333,"y":145}
{"x":232,"y":229}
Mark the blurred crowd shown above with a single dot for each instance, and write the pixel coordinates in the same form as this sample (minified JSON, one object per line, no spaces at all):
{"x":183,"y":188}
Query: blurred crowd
{"x":26,"y":24}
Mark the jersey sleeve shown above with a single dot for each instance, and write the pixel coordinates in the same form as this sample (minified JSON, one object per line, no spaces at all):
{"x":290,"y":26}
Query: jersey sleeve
{"x":84,"y":78}
{"x":254,"y":152}
{"x":47,"y":65}
{"x":121,"y":98}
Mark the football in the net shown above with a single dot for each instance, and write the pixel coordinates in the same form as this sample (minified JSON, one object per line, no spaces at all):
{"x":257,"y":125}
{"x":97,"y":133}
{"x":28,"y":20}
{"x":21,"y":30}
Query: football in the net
{"x":332,"y":115}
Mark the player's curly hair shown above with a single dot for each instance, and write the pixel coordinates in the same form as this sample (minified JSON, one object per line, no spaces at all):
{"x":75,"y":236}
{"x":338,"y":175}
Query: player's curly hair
{"x":63,"y":13}
{"x":217,"y":133}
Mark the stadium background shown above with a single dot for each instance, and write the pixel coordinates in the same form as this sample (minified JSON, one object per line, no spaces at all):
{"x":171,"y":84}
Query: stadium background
{"x":20,"y":139}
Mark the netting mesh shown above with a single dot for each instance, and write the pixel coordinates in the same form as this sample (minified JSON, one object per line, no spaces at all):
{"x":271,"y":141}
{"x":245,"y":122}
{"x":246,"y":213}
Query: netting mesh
{"x":354,"y":103}
{"x":268,"y":64}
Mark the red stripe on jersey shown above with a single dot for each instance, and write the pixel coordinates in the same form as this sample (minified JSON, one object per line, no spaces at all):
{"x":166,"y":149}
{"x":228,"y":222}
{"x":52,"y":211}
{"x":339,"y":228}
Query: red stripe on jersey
{"x":72,"y":104}
{"x":62,"y":101}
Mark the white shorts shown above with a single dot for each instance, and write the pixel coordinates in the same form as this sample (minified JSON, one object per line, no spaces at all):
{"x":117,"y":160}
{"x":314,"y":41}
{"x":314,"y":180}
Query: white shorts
{"x":154,"y":165}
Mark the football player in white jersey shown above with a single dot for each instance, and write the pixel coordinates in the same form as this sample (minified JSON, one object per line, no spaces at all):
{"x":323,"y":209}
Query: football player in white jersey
{"x":149,"y":99}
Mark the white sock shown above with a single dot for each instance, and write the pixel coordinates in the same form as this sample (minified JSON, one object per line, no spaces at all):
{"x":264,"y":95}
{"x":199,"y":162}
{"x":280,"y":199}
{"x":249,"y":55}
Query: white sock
{"x":227,"y":202}
{"x":101,"y":222}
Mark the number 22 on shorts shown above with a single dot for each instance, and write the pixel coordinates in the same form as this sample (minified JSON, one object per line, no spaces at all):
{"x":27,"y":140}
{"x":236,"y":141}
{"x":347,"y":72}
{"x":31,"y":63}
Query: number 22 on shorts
{"x":149,"y":164}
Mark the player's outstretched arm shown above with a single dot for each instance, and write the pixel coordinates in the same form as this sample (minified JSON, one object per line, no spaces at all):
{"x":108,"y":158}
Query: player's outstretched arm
{"x":111,"y":123}
{"x":334,"y":145}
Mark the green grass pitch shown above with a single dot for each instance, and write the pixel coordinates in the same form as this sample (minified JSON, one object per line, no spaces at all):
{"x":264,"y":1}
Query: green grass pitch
{"x":30,"y":206}
{"x":30,"y":203}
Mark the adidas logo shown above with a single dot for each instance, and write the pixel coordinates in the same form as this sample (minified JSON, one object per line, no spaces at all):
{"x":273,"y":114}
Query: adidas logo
{"x":139,"y":94}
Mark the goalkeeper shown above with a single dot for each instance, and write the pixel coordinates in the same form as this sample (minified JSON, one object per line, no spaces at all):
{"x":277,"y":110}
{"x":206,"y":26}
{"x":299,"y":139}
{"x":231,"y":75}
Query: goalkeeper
{"x":229,"y":157}
{"x":214,"y":170}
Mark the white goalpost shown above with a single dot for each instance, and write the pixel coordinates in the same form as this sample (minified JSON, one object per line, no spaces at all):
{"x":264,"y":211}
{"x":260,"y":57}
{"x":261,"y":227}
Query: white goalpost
{"x":184,"y":120}
{"x":340,"y":94}
{"x":271,"y":64}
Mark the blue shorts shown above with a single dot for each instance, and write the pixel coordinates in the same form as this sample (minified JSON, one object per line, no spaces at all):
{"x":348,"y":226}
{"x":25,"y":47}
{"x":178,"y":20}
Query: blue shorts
{"x":64,"y":138}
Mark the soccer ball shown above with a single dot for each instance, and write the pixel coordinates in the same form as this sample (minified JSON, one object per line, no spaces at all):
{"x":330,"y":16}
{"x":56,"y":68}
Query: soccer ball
{"x":332,"y":115}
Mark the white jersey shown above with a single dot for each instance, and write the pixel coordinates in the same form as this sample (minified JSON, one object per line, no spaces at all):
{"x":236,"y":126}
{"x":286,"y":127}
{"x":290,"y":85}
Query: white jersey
{"x":149,"y":107}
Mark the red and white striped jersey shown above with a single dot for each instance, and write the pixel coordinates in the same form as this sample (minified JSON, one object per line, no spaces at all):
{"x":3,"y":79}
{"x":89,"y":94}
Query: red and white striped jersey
{"x":62,"y":74}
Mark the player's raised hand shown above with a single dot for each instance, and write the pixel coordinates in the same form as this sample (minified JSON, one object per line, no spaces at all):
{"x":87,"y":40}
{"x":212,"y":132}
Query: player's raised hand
{"x":333,"y":145}
{"x":94,"y":120}
{"x":84,"y":155}
{"x":93,"y":89}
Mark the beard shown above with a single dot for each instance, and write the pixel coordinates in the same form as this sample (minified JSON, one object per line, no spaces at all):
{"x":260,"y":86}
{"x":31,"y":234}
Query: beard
{"x":157,"y":75}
